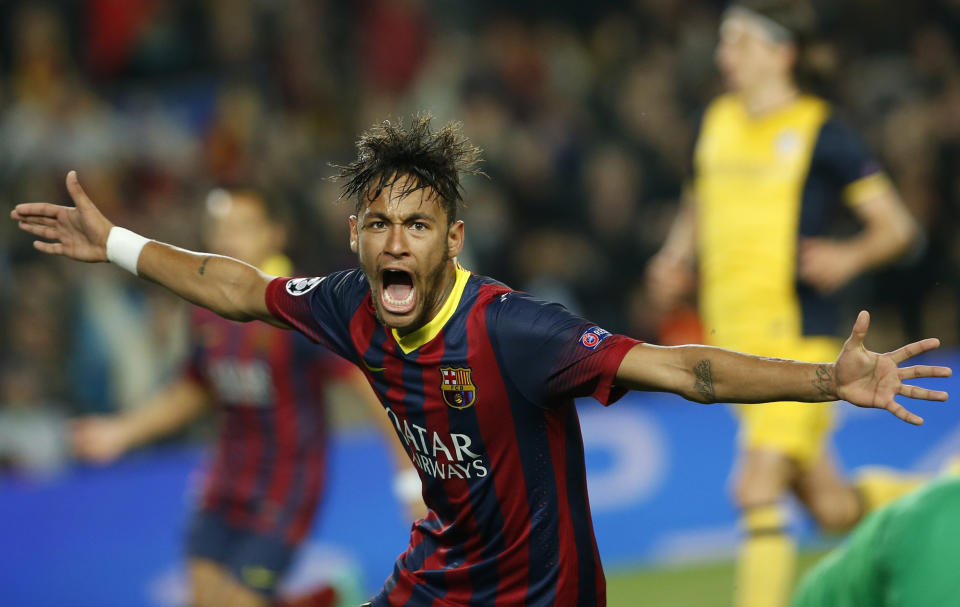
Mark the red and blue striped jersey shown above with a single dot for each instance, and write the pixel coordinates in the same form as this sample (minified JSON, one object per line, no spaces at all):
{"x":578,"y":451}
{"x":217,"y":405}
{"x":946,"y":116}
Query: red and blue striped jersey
{"x":268,"y":464}
{"x":482,"y":398}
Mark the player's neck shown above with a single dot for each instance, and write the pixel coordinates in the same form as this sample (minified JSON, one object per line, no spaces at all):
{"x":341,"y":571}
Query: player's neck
{"x":768,"y":97}
{"x":448,"y":282}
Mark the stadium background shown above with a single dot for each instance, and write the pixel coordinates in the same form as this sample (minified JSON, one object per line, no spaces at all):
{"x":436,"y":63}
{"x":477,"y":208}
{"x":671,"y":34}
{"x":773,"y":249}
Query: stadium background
{"x":584,"y":113}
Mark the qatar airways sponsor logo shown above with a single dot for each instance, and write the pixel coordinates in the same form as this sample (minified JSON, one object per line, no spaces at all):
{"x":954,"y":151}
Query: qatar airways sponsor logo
{"x":441,"y":455}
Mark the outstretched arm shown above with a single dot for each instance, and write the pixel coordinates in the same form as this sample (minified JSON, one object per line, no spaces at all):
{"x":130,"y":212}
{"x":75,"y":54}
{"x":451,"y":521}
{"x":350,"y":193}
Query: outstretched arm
{"x":707,"y":375}
{"x":229,"y":287}
{"x":105,"y":438}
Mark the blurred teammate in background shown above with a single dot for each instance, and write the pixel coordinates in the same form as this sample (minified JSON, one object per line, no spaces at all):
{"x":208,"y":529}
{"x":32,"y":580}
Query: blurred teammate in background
{"x":770,"y":167}
{"x":478,"y":379}
{"x":903,"y":555}
{"x":268,"y":469}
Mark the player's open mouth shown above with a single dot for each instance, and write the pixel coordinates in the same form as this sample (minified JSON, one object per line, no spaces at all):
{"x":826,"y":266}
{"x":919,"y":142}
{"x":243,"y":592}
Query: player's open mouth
{"x":397,"y":292}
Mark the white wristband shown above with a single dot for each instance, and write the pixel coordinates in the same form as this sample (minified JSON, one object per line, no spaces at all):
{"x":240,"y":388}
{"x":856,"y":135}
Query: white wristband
{"x":124,"y":247}
{"x":406,"y":486}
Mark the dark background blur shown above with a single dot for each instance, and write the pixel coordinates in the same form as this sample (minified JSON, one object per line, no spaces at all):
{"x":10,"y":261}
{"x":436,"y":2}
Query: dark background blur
{"x":584,"y":111}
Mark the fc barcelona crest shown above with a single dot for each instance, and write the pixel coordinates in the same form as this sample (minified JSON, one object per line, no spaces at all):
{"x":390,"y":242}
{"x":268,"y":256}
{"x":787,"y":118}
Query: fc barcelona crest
{"x":457,"y":387}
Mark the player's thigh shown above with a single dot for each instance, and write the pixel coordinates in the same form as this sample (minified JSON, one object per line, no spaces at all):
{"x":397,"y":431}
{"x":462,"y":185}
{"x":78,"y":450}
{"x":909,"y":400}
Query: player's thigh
{"x":762,"y":477}
{"x":826,"y":494}
{"x":233,"y":562}
{"x":821,"y":478}
{"x":214,"y":586}
{"x":208,"y":544}
{"x":209,"y":582}
{"x":238,"y":595}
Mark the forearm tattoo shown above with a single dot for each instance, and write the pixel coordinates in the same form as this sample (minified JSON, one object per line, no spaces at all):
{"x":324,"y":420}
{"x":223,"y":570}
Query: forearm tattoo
{"x":203,"y":266}
{"x":824,"y":383}
{"x":704,"y":383}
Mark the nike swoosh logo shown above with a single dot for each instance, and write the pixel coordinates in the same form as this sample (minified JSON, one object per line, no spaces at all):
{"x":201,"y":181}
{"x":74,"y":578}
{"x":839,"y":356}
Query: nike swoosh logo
{"x":371,"y":369}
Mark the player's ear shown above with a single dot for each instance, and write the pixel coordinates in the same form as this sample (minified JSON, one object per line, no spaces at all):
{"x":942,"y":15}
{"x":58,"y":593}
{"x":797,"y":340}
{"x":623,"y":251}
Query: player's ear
{"x":455,"y":239}
{"x":354,"y":236}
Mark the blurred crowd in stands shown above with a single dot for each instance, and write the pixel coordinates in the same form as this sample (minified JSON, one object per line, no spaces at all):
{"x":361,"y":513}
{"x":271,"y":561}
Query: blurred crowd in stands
{"x":584,"y":111}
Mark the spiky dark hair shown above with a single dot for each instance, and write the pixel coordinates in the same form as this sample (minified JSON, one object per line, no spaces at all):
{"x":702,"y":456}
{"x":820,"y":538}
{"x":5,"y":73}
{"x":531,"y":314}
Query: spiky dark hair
{"x":431,"y":160}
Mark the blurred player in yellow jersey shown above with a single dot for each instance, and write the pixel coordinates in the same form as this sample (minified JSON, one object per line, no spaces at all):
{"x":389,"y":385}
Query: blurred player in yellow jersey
{"x":770,"y":166}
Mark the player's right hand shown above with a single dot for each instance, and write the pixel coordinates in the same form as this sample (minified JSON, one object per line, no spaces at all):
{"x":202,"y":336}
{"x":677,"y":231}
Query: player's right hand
{"x":98,"y":439}
{"x":78,"y":232}
{"x":871,"y":380}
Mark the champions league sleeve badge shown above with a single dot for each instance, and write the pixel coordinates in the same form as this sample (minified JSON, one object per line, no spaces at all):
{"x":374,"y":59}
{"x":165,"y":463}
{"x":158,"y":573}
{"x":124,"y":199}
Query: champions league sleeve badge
{"x":300,"y":286}
{"x":456,"y":387}
{"x":592,"y":337}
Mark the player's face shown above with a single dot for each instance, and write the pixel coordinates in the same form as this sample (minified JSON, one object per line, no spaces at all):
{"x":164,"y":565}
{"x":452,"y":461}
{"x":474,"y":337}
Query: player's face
{"x":406,"y":251}
{"x":748,"y":57}
{"x":240,"y":227}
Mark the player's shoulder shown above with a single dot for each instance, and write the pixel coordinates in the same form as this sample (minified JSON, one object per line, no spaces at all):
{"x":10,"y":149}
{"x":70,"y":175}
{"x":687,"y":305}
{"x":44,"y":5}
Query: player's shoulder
{"x":519,"y":312}
{"x":484,"y":289}
{"x":336,"y":295}
{"x":343,"y":284}
{"x":723,"y":106}
{"x":483,"y":295}
{"x":348,"y":282}
{"x":723,"y":116}
{"x":810,"y":102}
{"x":836,"y":129}
{"x":493,"y":294}
{"x":840,"y":147}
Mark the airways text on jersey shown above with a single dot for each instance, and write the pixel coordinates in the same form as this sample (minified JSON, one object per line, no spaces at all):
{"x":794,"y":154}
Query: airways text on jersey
{"x":441,"y":455}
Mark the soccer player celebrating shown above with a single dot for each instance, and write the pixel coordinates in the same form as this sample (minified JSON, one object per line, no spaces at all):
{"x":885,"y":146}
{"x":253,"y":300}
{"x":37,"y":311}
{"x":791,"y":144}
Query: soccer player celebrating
{"x":268,"y":469}
{"x":478,"y":379}
{"x":771,"y":165}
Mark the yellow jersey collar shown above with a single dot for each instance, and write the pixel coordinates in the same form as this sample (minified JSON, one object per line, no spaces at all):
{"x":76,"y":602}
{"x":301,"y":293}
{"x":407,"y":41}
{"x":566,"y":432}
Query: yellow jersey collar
{"x":410,"y":342}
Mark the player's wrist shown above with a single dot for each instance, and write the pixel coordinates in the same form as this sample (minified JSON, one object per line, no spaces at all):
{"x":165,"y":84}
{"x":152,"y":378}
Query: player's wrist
{"x":407,"y":486}
{"x":826,"y":382}
{"x":124,"y":248}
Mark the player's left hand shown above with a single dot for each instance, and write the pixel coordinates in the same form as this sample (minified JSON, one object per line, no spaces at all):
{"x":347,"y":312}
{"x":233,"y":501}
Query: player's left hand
{"x":99,"y":439}
{"x":869,"y":379}
{"x":827,"y":264}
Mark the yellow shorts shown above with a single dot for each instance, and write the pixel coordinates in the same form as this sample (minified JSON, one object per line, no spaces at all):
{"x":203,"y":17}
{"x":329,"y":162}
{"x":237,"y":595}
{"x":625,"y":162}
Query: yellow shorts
{"x":798,"y":430}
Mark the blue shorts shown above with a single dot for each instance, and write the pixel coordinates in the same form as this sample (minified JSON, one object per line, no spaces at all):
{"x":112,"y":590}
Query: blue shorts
{"x":255,"y":560}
